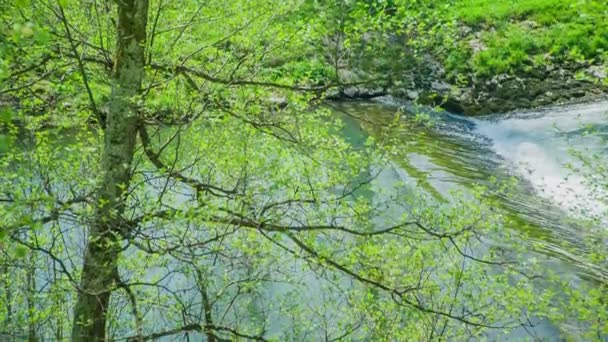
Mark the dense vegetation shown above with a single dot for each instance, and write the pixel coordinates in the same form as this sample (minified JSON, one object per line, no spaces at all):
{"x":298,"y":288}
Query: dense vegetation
{"x":519,"y":36}
{"x":169,"y":169}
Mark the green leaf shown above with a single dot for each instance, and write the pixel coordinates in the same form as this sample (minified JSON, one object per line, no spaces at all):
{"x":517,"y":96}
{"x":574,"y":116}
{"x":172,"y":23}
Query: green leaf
{"x":6,"y":114}
{"x":22,"y":3}
{"x":42,"y":36}
{"x":4,"y":143}
{"x":20,"y":252}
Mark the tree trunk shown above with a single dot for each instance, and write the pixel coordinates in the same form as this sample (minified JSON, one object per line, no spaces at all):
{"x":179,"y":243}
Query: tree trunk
{"x":8,"y":294}
{"x":102,"y":250}
{"x":30,"y":299}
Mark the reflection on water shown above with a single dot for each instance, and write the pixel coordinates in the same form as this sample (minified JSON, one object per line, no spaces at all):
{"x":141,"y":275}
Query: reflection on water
{"x":534,"y":147}
{"x":456,"y":152}
{"x":452,"y":153}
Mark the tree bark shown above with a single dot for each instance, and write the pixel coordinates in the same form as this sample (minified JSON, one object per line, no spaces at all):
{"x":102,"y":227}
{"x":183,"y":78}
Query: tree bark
{"x":30,"y":299}
{"x":102,"y":250}
{"x":8,"y":294}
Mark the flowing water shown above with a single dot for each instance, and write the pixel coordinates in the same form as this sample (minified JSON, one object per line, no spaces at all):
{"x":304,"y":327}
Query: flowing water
{"x":454,"y":152}
{"x":535,"y":147}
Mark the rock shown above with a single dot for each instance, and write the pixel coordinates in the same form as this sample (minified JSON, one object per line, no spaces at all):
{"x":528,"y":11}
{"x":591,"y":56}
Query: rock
{"x":553,"y":81}
{"x":351,"y":92}
{"x":440,"y":86}
{"x":598,"y":71}
{"x":453,"y":105}
{"x":477,"y":45}
{"x":412,"y":94}
{"x":348,"y":76}
{"x":332,"y":94}
{"x":529,"y":24}
{"x":465,"y":30}
{"x":578,"y":93}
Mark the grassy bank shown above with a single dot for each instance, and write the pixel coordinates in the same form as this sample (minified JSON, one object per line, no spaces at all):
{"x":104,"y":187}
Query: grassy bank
{"x":520,"y":36}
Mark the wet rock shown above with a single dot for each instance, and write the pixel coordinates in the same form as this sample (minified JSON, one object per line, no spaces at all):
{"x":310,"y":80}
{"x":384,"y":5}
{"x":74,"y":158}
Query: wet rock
{"x":351,"y":93}
{"x":454,"y":106}
{"x":505,"y":93}
{"x":578,"y":93}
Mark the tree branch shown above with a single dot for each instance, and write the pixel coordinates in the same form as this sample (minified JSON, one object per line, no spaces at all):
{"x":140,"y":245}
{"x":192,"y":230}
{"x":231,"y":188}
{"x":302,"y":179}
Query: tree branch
{"x":83,"y":73}
{"x":154,"y":157}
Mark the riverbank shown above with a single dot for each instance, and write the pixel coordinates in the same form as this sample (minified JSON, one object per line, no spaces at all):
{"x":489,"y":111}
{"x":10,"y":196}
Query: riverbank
{"x":508,"y":92}
{"x":483,"y":56}
{"x":500,"y":94}
{"x":522,"y":54}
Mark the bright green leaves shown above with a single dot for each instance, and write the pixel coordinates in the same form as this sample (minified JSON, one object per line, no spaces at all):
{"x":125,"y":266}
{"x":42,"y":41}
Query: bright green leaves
{"x":6,"y":116}
{"x":21,"y":252}
{"x":22,"y":3}
{"x":273,"y":161}
{"x":23,"y":32}
{"x":5,"y":143}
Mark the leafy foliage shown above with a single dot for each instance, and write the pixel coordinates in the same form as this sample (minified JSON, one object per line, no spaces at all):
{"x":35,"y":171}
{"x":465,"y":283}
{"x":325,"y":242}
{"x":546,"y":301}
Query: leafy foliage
{"x":241,"y":211}
{"x":517,"y":35}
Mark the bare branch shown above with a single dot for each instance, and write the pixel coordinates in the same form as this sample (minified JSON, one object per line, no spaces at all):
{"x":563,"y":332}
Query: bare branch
{"x":83,"y":73}
{"x":154,"y":157}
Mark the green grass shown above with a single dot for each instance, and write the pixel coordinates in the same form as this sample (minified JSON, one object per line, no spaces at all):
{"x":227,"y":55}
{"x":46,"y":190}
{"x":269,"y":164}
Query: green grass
{"x":519,"y":35}
{"x":492,"y":12}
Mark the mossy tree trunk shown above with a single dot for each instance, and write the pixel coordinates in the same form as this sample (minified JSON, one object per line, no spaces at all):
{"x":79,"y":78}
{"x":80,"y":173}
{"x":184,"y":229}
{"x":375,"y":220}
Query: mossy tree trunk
{"x":102,"y":250}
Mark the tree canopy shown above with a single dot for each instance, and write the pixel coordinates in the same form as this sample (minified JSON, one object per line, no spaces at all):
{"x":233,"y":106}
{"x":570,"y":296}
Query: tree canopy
{"x":170,"y":169}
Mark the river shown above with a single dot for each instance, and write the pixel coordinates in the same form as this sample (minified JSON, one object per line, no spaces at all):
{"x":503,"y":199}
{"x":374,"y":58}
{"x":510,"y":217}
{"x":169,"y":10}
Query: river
{"x":444,"y":152}
{"x":536,"y":147}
